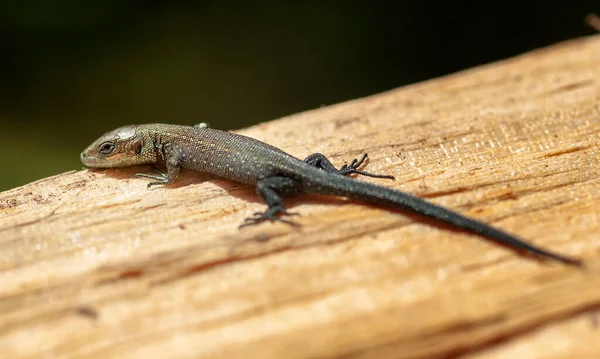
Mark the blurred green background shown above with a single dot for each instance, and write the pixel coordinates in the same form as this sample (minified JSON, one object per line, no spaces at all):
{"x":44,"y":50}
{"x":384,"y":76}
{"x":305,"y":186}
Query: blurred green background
{"x":72,"y":70}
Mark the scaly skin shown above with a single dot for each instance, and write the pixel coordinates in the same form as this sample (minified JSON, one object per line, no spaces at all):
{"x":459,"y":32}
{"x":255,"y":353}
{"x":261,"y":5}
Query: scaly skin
{"x":273,"y":172}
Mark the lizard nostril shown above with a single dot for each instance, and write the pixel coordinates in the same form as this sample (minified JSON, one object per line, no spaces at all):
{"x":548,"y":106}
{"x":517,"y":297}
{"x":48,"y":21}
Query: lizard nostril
{"x":82,"y":155}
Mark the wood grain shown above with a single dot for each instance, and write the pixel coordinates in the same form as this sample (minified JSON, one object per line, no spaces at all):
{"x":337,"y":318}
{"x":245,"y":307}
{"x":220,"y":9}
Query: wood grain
{"x":94,"y":265}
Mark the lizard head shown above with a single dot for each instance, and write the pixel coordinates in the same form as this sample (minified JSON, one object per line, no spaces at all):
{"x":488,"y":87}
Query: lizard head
{"x":118,"y":148}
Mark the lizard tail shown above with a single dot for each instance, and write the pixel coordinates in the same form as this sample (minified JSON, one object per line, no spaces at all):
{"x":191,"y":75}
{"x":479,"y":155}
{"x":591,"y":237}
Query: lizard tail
{"x":366,"y":192}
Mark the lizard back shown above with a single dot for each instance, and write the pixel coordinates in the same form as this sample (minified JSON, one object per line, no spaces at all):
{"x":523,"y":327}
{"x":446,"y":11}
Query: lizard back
{"x":224,"y":154}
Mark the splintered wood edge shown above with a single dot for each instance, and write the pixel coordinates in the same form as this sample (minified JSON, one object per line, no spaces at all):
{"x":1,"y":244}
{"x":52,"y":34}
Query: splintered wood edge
{"x":95,"y":265}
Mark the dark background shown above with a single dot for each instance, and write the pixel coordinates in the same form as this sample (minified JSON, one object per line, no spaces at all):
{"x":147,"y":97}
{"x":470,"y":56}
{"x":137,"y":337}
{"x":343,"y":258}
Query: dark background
{"x":71,"y":70}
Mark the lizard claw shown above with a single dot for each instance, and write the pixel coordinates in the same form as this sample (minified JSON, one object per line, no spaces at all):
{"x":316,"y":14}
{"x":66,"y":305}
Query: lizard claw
{"x":271,"y":214}
{"x":154,"y":184}
{"x":345,"y":169}
{"x":353,"y":168}
{"x":158,"y":180}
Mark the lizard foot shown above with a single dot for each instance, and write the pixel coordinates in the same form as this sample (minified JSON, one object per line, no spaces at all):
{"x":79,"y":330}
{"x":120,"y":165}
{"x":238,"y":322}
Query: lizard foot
{"x":271,"y":214}
{"x":353,"y":168}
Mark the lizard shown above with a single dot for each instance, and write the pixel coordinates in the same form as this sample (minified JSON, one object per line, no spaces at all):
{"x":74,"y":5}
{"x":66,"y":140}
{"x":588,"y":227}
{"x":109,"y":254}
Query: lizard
{"x":273,"y":172}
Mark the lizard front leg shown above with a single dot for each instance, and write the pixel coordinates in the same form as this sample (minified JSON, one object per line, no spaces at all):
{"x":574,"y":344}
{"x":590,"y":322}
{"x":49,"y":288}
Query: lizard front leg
{"x":172,"y":163}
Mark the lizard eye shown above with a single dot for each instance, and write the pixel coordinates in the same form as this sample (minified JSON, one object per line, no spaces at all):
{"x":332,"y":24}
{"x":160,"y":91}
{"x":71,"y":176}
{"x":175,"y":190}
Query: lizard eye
{"x":106,"y":148}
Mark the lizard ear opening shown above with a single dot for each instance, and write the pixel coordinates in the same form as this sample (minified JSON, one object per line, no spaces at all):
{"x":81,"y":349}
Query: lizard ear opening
{"x":137,"y":146}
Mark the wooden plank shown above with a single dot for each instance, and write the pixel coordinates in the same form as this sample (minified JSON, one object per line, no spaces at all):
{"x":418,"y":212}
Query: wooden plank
{"x":94,"y":265}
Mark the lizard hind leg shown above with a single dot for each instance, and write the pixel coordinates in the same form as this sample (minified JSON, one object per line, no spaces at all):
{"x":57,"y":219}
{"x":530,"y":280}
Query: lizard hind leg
{"x":320,"y":161}
{"x":269,"y":189}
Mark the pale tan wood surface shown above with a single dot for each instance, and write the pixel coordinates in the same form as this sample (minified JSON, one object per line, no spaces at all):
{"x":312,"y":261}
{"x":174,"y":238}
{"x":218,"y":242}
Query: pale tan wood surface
{"x":94,"y":265}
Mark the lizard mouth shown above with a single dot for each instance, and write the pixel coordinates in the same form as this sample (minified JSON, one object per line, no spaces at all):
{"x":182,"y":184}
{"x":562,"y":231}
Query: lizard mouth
{"x":117,"y":160}
{"x":90,"y":161}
